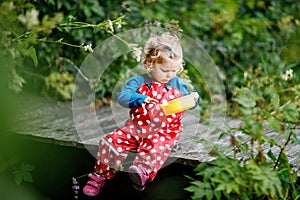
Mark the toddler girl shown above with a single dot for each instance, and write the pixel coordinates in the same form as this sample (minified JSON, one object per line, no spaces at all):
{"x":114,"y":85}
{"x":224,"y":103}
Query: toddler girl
{"x":148,"y":130}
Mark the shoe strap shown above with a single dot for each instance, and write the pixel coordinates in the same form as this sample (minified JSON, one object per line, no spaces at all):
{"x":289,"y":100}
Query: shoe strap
{"x":96,"y":177}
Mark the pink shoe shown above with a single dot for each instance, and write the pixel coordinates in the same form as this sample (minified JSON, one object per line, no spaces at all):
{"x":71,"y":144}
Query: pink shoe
{"x":94,"y":185}
{"x":139,"y":177}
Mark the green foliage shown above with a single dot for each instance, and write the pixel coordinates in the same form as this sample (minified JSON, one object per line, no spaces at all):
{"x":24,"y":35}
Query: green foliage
{"x":233,"y":179}
{"x":254,"y":43}
{"x":20,"y":171}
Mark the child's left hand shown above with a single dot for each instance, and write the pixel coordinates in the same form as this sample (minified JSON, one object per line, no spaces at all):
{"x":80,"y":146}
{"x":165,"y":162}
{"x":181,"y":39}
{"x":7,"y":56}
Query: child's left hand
{"x":195,"y":95}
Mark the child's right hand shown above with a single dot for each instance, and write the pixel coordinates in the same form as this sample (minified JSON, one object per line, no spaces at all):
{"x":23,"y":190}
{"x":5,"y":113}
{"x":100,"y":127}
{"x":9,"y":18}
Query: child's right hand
{"x":150,"y":100}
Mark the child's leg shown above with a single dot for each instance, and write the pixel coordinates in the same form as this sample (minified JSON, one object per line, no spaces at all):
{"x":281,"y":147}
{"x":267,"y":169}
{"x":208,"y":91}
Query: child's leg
{"x":113,"y":150}
{"x":154,"y":151}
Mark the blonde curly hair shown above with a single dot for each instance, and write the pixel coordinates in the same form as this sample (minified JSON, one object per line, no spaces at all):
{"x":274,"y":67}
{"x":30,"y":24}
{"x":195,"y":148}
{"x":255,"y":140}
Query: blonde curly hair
{"x":163,"y":48}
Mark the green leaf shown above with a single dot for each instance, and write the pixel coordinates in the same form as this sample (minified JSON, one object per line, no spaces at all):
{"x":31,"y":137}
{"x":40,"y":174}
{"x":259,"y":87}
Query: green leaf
{"x":274,"y":124}
{"x":32,"y":54}
{"x":246,"y":98}
{"x":18,"y":177}
{"x":271,"y":155}
{"x":290,"y":113}
{"x":27,"y":177}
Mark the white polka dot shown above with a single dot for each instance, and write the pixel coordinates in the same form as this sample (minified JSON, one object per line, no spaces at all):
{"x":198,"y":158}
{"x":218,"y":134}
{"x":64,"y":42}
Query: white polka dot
{"x":149,"y":136}
{"x":98,"y":153}
{"x":155,"y":140}
{"x":164,"y":90}
{"x":153,"y":162}
{"x":148,"y":121}
{"x":119,"y":141}
{"x":169,"y":131}
{"x":169,"y":119}
{"x":171,"y":96}
{"x":153,"y":151}
{"x":157,"y":107}
{"x":158,"y":158}
{"x":118,"y":162}
{"x":173,"y":115}
{"x":142,"y":153}
{"x":166,"y":154}
{"x":120,"y":133}
{"x":128,"y":136}
{"x":144,"y":130}
{"x":144,"y":93}
{"x":148,"y":157}
{"x":164,"y":101}
{"x":140,"y":122}
{"x":161,"y":114}
{"x":163,"y":124}
{"x":98,"y":162}
{"x":106,"y":160}
{"x":155,"y":169}
{"x":110,"y":140}
{"x":103,"y":151}
{"x":161,"y":147}
{"x":138,"y":116}
{"x":156,"y":119}
{"x":151,"y":105}
{"x":162,"y":139}
{"x":131,"y":126}
{"x":159,"y":96}
{"x":119,"y":149}
{"x":161,"y":162}
{"x":154,"y":93}
{"x":149,"y":147}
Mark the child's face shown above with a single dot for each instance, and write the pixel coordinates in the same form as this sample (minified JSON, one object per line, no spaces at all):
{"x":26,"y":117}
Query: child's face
{"x":163,"y":73}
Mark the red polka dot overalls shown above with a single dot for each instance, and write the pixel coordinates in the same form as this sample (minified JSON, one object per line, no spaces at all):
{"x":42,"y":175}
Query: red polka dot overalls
{"x":148,"y":130}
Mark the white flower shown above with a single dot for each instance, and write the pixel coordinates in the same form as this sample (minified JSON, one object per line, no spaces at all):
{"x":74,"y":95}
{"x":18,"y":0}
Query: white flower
{"x":137,"y":53}
{"x":110,"y":26}
{"x":287,"y":75}
{"x":88,"y":47}
{"x":30,"y":19}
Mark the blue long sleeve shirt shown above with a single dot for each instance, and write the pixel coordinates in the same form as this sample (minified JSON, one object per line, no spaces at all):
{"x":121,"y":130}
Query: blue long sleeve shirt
{"x":129,"y":97}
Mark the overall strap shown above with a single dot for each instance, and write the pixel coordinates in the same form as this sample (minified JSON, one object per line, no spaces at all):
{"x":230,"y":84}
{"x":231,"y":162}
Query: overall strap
{"x":147,"y":80}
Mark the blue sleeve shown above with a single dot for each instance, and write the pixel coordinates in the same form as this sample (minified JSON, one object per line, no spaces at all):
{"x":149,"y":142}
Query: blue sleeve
{"x":179,"y":84}
{"x":128,"y":97}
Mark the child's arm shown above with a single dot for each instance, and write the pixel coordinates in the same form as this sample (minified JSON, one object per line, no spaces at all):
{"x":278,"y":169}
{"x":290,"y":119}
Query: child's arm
{"x":128,"y":97}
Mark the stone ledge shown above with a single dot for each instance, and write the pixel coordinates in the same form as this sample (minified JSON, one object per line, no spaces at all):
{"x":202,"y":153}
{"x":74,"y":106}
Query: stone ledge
{"x":51,"y":121}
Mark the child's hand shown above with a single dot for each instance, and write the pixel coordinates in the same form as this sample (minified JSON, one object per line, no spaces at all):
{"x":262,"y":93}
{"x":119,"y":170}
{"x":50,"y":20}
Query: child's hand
{"x":150,"y":100}
{"x":195,"y":95}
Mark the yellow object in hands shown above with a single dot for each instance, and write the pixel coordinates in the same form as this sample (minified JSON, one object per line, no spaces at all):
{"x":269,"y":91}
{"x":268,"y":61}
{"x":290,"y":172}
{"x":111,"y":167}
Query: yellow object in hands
{"x":178,"y":105}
